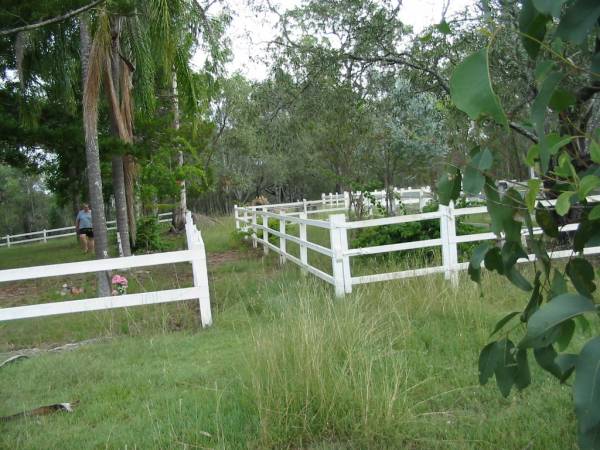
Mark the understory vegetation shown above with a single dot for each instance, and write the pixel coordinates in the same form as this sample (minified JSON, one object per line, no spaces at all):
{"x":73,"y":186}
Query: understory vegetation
{"x":285,"y":365}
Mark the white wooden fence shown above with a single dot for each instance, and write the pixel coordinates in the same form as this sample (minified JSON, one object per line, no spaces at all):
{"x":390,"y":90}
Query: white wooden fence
{"x":195,"y":254}
{"x":339,"y":202}
{"x":256,"y":219}
{"x":44,"y":235}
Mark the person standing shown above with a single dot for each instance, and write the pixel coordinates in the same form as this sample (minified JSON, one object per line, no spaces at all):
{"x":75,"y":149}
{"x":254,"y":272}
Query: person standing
{"x":83,"y":228}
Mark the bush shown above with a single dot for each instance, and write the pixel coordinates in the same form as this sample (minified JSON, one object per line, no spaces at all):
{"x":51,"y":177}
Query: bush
{"x":411,"y":232}
{"x":148,"y":236}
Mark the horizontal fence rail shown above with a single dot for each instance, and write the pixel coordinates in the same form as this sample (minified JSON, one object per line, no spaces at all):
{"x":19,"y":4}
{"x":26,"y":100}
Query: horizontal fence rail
{"x":254,"y":221}
{"x":195,"y":254}
{"x":44,"y":235}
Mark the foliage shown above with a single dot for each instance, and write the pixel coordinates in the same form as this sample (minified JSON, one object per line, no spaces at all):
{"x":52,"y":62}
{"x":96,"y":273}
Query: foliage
{"x":411,"y":232}
{"x":563,"y":41}
{"x":26,"y":203}
{"x":149,"y":236}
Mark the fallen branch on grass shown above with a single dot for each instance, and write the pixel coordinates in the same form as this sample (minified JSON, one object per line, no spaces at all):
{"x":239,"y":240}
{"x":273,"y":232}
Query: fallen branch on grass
{"x":13,"y":359}
{"x":42,"y":411}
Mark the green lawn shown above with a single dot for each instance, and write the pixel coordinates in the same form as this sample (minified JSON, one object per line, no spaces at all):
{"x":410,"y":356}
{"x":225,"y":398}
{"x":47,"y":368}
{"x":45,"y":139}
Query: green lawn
{"x":286,"y":365}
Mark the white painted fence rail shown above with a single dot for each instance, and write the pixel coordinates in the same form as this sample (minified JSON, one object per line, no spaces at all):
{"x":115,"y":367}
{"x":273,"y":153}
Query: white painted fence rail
{"x":44,"y":235}
{"x":195,"y":254}
{"x":247,"y":219}
{"x":340,"y":202}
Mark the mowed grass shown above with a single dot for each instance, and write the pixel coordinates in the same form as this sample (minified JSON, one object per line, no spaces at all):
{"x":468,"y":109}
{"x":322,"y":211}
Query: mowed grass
{"x":54,"y":330}
{"x":286,"y":365}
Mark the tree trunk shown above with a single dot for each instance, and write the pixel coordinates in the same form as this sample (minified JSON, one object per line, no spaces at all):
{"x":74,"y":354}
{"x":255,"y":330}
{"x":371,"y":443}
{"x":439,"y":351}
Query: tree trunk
{"x":130,"y":171}
{"x":178,"y":221}
{"x":118,"y":177}
{"x":118,"y":91}
{"x":91,"y":80}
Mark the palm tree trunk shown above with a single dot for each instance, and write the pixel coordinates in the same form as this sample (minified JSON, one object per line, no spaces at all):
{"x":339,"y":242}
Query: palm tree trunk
{"x":130,"y":172}
{"x":91,"y":86}
{"x":118,"y":177}
{"x":118,"y":90}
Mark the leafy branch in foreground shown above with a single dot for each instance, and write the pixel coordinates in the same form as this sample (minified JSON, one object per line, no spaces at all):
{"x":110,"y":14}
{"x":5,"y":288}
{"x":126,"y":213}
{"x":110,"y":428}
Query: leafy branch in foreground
{"x":563,"y":40}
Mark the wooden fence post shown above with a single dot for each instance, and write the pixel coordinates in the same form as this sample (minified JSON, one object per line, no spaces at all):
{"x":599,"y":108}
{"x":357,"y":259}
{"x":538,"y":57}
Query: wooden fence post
{"x":199,"y":269}
{"x":8,"y":240}
{"x":449,"y":246}
{"x":304,"y":205}
{"x":347,"y":201}
{"x":282,"y":240}
{"x":265,"y":223}
{"x":236,"y":217}
{"x":339,"y":261}
{"x":45,"y":236}
{"x":323,"y":198}
{"x":254,"y":228}
{"x":303,"y":249}
{"x":330,"y":199}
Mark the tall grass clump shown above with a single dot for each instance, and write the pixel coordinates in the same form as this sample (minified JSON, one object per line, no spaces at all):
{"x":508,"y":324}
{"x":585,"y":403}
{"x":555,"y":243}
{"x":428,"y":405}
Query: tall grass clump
{"x":334,"y":371}
{"x":391,"y":366}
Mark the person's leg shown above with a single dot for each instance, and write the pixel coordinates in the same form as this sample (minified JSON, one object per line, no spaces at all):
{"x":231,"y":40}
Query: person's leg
{"x":91,"y":244}
{"x":83,"y":241}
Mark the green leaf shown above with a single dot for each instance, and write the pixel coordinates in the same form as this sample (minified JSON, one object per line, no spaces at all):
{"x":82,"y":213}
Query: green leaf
{"x":493,"y":260}
{"x":488,"y":359}
{"x":534,"y":189}
{"x":588,"y":230}
{"x":586,"y":388}
{"x":550,"y":7}
{"x":471,"y":89}
{"x":535,"y":300}
{"x":545,"y":358}
{"x":565,"y":169}
{"x":532,"y":154}
{"x":538,"y":114}
{"x":504,"y":321}
{"x":595,"y":151}
{"x":511,"y":252}
{"x":532,"y":25}
{"x":581,"y":273}
{"x":562,"y":99}
{"x":578,"y":21}
{"x":563,"y":203}
{"x":595,"y":213}
{"x":545,"y":220}
{"x":567,"y":329}
{"x":518,"y":280}
{"x":443,"y":27}
{"x":474,"y":178}
{"x":553,"y":313}
{"x":587,"y":185}
{"x":523,"y":375}
{"x":566,"y":363}
{"x":537,"y":245}
{"x":476,"y":260}
{"x":449,"y":186}
{"x":505,"y":368}
{"x":559,"y":285}
{"x":555,"y":142}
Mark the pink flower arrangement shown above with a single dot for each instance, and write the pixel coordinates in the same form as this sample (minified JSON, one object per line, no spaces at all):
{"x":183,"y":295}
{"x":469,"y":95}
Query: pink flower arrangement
{"x":120,"y":285}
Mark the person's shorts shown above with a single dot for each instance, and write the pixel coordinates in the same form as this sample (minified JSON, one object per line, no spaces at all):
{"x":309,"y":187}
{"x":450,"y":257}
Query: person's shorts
{"x":87,"y":231}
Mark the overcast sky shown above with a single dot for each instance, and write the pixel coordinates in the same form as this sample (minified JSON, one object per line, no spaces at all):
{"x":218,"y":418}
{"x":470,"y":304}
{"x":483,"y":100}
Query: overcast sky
{"x":250,"y":32}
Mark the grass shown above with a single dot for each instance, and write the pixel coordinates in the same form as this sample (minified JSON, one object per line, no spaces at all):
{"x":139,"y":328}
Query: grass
{"x":394,"y":365}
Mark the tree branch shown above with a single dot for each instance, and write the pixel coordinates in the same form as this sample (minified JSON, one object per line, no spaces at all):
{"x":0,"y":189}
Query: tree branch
{"x":51,"y":20}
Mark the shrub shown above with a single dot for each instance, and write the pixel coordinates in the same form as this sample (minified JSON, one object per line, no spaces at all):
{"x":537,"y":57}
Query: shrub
{"x":411,"y":232}
{"x":148,"y":236}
